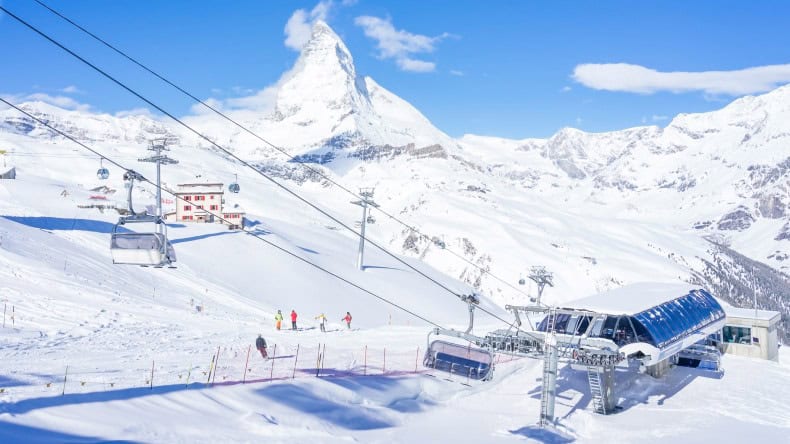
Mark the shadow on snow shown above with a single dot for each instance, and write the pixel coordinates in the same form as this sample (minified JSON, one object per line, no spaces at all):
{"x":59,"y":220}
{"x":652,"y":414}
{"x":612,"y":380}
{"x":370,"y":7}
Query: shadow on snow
{"x":17,"y":433}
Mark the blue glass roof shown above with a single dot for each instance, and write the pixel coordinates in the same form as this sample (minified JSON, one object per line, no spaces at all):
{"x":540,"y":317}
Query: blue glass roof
{"x":675,"y":319}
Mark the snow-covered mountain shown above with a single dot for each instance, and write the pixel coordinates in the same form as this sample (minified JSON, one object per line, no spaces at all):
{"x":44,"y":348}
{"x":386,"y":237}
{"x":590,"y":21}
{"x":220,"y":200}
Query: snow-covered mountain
{"x":599,"y":209}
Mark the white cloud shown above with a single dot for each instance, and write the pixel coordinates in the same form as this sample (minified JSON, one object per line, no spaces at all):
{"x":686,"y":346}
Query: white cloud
{"x":579,"y":120}
{"x":299,"y":26}
{"x":72,"y":89}
{"x":399,"y":44}
{"x":455,"y":72}
{"x":135,"y":112}
{"x":658,"y":118}
{"x":59,"y":101}
{"x":566,"y":89}
{"x":638,"y":79}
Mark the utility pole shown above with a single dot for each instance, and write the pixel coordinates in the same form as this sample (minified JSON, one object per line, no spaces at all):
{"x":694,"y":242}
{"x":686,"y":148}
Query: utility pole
{"x":367,"y":200}
{"x":542,"y":278}
{"x":158,"y":146}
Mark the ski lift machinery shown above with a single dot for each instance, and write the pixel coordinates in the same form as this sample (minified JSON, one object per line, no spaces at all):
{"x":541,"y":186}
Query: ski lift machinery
{"x":473,"y":360}
{"x":145,"y":248}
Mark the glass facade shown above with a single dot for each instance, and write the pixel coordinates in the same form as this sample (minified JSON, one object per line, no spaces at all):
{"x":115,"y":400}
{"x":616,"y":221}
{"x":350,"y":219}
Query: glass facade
{"x":737,"y":335}
{"x":658,"y":326}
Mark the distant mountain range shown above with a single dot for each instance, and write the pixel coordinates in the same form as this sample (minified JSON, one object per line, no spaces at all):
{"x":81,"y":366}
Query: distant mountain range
{"x":704,"y":199}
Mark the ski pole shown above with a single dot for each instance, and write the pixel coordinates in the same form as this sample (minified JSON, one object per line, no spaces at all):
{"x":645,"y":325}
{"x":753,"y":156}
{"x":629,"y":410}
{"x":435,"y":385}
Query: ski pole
{"x":216,"y":364}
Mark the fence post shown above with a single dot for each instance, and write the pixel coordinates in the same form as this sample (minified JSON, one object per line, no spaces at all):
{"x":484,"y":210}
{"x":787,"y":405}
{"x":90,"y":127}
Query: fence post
{"x":13,"y":315}
{"x":189,"y":373}
{"x":210,"y":368}
{"x":65,"y":377}
{"x":417,"y":359}
{"x":365,"y":362}
{"x":244,"y":377}
{"x":323,"y":357}
{"x":152,"y":374}
{"x":296,"y":359}
{"x":318,"y":361}
{"x":384,"y":367}
{"x":216,"y":364}
{"x":271,"y":376}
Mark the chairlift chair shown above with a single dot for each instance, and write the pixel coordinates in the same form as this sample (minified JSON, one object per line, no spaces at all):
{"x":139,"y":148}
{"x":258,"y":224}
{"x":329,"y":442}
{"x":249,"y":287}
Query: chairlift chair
{"x":234,"y":187}
{"x":145,"y":248}
{"x":470,"y":360}
{"x":102,"y":173}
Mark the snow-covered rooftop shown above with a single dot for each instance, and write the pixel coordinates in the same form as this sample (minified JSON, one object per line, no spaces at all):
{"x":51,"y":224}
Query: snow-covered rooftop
{"x":199,"y":188}
{"x":750,"y":313}
{"x":631,"y":299}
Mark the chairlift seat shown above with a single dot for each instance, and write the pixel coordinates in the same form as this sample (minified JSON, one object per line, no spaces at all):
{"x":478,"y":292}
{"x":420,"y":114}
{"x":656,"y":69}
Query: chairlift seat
{"x":103,"y":173}
{"x":234,"y":188}
{"x":141,"y":248}
{"x":461,"y":360}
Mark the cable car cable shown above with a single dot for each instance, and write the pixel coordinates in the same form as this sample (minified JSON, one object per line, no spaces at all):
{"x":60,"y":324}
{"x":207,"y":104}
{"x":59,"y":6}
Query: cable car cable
{"x":314,"y":265}
{"x":252,"y":133}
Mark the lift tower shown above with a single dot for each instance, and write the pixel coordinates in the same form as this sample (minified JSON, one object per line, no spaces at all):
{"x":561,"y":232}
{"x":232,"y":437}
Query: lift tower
{"x":367,"y":200}
{"x":158,"y":146}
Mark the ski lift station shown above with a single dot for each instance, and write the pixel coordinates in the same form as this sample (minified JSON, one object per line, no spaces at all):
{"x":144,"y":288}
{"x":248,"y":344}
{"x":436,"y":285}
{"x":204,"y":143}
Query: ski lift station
{"x":751,"y":333}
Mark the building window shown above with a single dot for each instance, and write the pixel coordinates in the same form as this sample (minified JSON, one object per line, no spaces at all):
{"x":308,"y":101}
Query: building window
{"x":199,"y":207}
{"x":737,"y":335}
{"x":213,"y":207}
{"x":186,"y":217}
{"x":187,"y":207}
{"x":187,"y":197}
{"x":212,"y":197}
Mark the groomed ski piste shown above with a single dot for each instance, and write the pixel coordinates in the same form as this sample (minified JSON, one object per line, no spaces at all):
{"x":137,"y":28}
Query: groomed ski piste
{"x":139,"y":343}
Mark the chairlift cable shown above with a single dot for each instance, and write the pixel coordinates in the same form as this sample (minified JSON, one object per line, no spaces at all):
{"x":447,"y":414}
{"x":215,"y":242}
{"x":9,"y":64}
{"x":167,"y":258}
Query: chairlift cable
{"x":275,"y":147}
{"x":224,"y":150}
{"x":219,"y":217}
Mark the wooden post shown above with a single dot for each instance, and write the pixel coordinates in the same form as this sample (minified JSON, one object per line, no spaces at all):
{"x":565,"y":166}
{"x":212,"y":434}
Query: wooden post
{"x":365,"y":362}
{"x":210,"y":368}
{"x":65,"y":377}
{"x":323,"y":358}
{"x":189,"y":373}
{"x":296,"y":359}
{"x":318,"y":361}
{"x":271,"y":376}
{"x":216,"y":363}
{"x":417,"y":359}
{"x":244,"y":376}
{"x":152,"y":374}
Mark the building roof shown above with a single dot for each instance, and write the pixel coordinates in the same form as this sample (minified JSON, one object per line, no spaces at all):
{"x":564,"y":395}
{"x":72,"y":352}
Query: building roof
{"x":631,"y":299}
{"x":199,"y":188}
{"x":750,"y":313}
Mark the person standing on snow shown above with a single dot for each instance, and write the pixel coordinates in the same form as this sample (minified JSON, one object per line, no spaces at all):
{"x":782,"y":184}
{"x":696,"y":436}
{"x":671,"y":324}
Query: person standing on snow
{"x":347,"y":318}
{"x":279,"y":318}
{"x":260,"y":344}
{"x":322,"y":322}
{"x":293,"y":320}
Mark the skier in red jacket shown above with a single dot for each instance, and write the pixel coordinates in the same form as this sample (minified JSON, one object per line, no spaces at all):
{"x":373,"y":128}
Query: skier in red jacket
{"x":293,"y":320}
{"x":347,"y":318}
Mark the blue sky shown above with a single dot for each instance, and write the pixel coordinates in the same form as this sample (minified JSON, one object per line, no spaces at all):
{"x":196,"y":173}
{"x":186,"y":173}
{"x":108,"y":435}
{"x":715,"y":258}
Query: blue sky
{"x":505,"y":68}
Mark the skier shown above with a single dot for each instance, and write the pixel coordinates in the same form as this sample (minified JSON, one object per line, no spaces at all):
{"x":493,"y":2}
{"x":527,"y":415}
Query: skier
{"x":260,"y":344}
{"x":293,"y":320}
{"x":347,"y":318}
{"x":279,"y":318}
{"x":322,"y":322}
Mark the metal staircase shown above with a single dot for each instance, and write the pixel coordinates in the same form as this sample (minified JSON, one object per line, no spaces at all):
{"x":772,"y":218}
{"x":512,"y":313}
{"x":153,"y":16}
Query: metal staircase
{"x":596,"y":390}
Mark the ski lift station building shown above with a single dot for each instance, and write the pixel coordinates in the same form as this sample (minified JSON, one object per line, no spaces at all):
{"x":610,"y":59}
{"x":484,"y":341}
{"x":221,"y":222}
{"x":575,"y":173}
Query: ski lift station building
{"x":751,"y":333}
{"x":649,"y":322}
{"x":203,"y":199}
